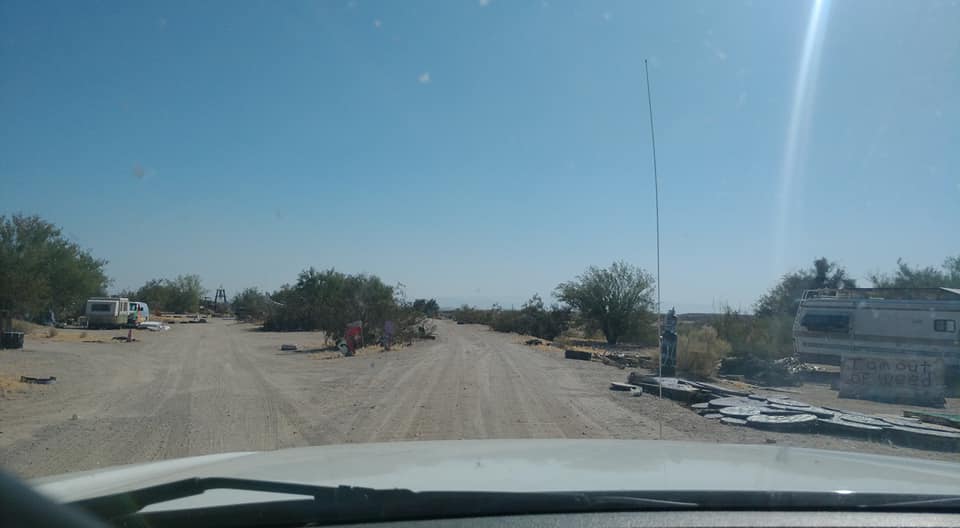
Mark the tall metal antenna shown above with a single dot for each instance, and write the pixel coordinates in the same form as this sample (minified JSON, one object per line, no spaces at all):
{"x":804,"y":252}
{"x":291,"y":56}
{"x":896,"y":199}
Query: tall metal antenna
{"x":656,"y":195}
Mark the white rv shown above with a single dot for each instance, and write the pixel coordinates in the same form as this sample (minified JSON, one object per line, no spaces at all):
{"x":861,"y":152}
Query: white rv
{"x":107,"y":312}
{"x":918,"y":322}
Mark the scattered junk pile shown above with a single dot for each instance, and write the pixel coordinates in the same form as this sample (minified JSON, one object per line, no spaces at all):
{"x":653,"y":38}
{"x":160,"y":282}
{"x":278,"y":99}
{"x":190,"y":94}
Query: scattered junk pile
{"x":620,"y":360}
{"x":877,"y":378}
{"x":788,"y":371}
{"x":153,"y":326}
{"x":915,"y":429}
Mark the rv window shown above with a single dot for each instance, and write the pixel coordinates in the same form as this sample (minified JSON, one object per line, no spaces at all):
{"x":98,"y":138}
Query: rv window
{"x":826,"y":323}
{"x":100,"y":307}
{"x":945,"y":325}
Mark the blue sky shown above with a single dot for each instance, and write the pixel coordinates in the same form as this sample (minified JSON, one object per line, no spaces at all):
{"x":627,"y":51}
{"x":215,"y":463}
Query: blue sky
{"x":485,"y":151}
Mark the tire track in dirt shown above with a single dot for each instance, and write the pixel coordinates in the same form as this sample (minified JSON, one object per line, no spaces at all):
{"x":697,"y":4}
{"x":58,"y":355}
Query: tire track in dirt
{"x":283,"y":425}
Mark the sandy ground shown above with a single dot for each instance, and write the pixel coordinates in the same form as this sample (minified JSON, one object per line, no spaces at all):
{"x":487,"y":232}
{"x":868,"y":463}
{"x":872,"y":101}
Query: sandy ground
{"x":222,"y":386}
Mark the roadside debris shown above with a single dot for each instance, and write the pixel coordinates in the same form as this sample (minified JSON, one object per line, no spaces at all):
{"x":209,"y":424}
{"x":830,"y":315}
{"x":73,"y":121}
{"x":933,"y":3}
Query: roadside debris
{"x":951,"y":420}
{"x":783,"y":414}
{"x":153,"y":326}
{"x":802,"y":423}
{"x":578,"y":354}
{"x":785,"y":371}
{"x":289,"y":347}
{"x":39,"y":381}
{"x":533,"y":342}
{"x":621,"y":360}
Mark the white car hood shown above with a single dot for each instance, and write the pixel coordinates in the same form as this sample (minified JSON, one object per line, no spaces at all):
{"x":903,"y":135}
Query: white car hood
{"x":526,"y":465}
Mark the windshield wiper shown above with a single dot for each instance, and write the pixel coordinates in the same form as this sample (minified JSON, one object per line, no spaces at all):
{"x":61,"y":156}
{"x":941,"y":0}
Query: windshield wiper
{"x":342,"y":503}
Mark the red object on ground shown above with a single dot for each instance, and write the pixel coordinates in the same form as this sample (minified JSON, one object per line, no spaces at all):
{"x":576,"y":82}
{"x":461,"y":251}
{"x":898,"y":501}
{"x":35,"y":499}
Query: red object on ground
{"x":352,"y":335}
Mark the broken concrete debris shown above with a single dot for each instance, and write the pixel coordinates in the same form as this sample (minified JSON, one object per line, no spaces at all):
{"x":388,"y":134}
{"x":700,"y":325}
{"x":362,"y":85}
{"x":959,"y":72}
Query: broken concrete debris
{"x":784,"y":423}
{"x":787,"y":415}
{"x":952,"y":420}
{"x":741,"y":412}
{"x":732,"y":421}
{"x":785,"y":371}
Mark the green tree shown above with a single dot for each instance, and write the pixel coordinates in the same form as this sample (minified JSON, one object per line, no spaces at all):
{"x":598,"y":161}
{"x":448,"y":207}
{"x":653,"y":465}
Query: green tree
{"x":41,"y":270}
{"x":181,"y":294}
{"x":428,"y":307}
{"x":533,"y":318}
{"x":905,"y":276}
{"x":251,"y":303}
{"x":471,"y":315}
{"x":784,"y":297}
{"x":769,"y":336}
{"x":329,"y":300}
{"x":185,"y":293}
{"x":617,"y":300}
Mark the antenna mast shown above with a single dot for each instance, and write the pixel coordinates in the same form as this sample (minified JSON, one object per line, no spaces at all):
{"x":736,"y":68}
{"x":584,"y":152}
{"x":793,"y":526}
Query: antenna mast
{"x":656,"y":191}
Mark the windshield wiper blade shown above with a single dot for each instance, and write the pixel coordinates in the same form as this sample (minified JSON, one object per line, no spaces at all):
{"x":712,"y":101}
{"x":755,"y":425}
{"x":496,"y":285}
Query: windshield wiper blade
{"x":127,"y":502}
{"x":346,"y":501}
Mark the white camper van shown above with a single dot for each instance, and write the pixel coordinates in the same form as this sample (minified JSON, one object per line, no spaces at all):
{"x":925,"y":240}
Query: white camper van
{"x":920,"y":322}
{"x":107,"y":312}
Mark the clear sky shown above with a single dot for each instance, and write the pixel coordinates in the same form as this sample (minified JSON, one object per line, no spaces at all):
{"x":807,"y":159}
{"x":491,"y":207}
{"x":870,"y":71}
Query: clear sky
{"x":482,"y":151}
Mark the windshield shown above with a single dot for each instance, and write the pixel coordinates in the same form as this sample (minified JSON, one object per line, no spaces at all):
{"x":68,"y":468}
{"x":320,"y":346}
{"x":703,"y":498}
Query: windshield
{"x":724,"y":228}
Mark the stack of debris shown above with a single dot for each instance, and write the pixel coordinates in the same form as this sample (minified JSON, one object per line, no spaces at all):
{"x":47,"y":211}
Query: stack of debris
{"x":621,"y":360}
{"x":777,"y":413}
{"x":779,"y":372}
{"x":615,"y":359}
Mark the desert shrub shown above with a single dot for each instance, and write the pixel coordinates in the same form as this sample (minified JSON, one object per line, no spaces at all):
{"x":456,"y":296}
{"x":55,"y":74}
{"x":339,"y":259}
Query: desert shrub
{"x":251,"y":305}
{"x":52,"y":332}
{"x":428,"y":307}
{"x":533,"y":318}
{"x":181,"y":294}
{"x":699,"y":351}
{"x":329,"y":300}
{"x":473,"y":315}
{"x":759,"y":336}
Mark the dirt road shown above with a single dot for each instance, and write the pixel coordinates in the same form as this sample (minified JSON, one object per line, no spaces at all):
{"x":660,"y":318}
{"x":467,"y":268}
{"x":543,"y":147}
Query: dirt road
{"x":222,"y":386}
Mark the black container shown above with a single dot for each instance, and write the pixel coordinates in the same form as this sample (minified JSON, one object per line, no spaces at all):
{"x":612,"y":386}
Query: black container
{"x":11,"y":340}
